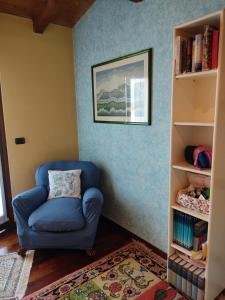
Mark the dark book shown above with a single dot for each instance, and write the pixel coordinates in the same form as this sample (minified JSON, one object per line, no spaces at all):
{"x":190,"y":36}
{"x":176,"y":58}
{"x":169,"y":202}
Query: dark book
{"x":172,"y":268}
{"x":189,"y":55}
{"x":195,"y":276}
{"x":201,"y":281}
{"x":171,"y":264}
{"x":189,"y":280}
{"x":184,"y":56}
{"x":200,"y":228}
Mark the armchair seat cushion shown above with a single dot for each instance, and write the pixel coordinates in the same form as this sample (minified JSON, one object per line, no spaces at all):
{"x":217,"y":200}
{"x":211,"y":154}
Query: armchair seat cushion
{"x":58,"y":215}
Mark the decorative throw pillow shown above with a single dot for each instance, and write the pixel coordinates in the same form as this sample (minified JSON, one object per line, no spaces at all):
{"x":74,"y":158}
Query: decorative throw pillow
{"x":64,"y":184}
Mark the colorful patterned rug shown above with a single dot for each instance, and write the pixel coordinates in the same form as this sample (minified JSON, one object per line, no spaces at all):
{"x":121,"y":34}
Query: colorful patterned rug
{"x":14,"y":275}
{"x":132,"y":272}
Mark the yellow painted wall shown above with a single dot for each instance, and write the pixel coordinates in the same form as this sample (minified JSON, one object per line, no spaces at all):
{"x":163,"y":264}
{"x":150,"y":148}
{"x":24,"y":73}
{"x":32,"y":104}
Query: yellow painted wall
{"x":37,"y":81}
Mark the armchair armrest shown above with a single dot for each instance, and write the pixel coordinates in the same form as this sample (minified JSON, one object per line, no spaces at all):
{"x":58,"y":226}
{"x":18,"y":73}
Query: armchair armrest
{"x":25,"y":203}
{"x":92,"y":204}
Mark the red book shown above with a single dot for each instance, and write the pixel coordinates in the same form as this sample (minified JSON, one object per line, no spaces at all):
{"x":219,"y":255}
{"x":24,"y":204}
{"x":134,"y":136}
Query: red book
{"x":215,"y":46}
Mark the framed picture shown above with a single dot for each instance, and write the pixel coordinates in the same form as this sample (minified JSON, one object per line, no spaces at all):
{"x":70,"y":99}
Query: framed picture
{"x":121,"y":89}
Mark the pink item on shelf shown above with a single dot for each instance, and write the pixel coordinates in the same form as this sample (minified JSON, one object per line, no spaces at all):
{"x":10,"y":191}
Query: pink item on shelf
{"x":185,"y":257}
{"x":198,"y":150}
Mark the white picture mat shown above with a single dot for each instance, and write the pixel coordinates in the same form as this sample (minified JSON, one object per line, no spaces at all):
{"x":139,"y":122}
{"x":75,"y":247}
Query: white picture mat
{"x":126,"y":61}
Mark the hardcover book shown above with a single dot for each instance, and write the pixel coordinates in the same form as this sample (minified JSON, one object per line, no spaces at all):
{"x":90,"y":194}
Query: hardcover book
{"x":198,"y":52}
{"x":207,"y":48}
{"x":215,"y":47}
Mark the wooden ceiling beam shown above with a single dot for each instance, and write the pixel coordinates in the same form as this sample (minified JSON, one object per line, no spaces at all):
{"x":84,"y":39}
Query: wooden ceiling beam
{"x":47,"y":14}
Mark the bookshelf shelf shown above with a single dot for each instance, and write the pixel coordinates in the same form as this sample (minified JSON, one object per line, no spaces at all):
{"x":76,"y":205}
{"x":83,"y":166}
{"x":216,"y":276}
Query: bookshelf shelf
{"x":198,"y":109}
{"x":199,"y":124}
{"x":184,"y":166}
{"x":196,"y":75}
{"x":181,"y":249}
{"x":190,"y":212}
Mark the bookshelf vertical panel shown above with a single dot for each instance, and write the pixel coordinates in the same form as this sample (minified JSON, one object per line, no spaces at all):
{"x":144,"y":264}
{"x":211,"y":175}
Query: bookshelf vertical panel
{"x":199,"y":98}
{"x":215,"y":275}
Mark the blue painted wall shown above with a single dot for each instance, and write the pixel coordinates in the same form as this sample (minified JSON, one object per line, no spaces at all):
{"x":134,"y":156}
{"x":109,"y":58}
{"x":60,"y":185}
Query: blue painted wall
{"x":135,"y":159}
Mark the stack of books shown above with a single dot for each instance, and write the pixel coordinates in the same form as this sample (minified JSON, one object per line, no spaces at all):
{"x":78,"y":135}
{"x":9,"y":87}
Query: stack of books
{"x":183,"y":229}
{"x":198,"y":53}
{"x":187,"y":278}
{"x":189,"y":232}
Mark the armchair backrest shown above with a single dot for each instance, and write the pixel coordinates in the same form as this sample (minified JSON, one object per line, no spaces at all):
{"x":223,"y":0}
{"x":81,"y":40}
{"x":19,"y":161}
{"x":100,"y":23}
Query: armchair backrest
{"x":90,"y":175}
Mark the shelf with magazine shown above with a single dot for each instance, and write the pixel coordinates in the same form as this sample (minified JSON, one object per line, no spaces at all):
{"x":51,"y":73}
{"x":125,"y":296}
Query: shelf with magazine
{"x":197,"y":164}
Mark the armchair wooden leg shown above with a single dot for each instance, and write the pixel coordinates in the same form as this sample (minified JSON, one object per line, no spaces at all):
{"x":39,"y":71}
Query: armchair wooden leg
{"x":22,"y":252}
{"x":91,"y":252}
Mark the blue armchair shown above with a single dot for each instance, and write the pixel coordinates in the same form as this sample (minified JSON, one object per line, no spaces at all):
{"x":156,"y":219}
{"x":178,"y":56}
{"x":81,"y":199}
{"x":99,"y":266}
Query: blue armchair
{"x":60,"y":222}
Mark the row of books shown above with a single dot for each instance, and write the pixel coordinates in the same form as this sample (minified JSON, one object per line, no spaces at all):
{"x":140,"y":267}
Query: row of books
{"x":197,"y":54}
{"x":189,"y":232}
{"x":187,"y":278}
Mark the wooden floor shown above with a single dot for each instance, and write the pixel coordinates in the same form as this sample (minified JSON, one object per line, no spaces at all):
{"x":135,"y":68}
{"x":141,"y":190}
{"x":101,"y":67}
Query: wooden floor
{"x":50,"y":265}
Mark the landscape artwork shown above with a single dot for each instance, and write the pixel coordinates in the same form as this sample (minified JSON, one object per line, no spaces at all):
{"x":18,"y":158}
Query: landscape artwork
{"x":121,"y":90}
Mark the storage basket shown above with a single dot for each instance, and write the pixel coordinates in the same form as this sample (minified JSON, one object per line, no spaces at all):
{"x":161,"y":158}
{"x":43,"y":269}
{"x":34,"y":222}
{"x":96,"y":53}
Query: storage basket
{"x":200,"y":205}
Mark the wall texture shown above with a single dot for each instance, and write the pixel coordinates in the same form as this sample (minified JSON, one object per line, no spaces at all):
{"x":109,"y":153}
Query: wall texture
{"x":36,"y":75}
{"x":135,"y":159}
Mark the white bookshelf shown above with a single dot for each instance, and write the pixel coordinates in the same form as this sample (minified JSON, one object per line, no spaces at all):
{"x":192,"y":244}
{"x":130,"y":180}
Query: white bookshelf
{"x":198,"y":118}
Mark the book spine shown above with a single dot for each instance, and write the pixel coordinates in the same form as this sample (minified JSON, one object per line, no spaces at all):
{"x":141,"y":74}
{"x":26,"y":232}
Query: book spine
{"x":193,"y":57}
{"x":194,"y":292}
{"x":201,"y":281}
{"x":189,"y":280}
{"x":178,"y":278}
{"x":200,"y":228}
{"x":207,"y":48}
{"x":201,"y":286}
{"x":184,"y":56}
{"x":189,"y":55}
{"x":215,"y":47}
{"x":178,"y":282}
{"x":178,"y":55}
{"x":198,"y":52}
{"x":174,"y":226}
{"x":184,"y":277}
{"x":189,"y":284}
{"x":185,"y":231}
{"x":171,"y":266}
{"x":195,"y":276}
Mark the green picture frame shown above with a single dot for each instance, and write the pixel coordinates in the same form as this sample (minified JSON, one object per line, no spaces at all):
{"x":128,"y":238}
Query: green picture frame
{"x":121,"y":89}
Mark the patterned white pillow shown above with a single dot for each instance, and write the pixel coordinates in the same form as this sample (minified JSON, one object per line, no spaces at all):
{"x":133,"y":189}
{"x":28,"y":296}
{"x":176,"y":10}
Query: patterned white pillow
{"x":64,"y":184}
